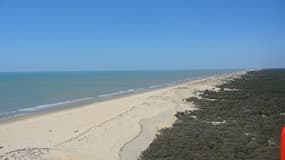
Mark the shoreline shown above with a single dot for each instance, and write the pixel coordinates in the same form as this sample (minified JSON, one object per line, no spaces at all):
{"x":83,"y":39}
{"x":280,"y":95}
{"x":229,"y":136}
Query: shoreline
{"x":72,"y":105}
{"x":69,"y":105}
{"x":96,"y":123}
{"x":70,"y":102}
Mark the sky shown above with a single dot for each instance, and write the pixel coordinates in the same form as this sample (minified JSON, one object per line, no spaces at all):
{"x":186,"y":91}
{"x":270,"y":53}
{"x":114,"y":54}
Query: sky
{"x":59,"y":35}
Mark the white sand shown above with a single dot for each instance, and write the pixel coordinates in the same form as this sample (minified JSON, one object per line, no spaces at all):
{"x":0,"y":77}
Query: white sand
{"x":117,"y":129}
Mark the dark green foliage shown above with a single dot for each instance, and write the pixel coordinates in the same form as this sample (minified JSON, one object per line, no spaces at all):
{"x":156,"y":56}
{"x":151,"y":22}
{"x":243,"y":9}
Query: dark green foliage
{"x":191,"y":99}
{"x":253,"y":113}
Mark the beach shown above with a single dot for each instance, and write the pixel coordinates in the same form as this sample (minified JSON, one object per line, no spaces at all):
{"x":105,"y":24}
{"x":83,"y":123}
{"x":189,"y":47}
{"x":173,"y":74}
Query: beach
{"x":115,"y":129}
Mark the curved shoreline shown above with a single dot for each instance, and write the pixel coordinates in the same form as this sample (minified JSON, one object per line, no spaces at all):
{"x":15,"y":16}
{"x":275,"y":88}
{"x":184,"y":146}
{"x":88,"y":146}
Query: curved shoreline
{"x":66,"y":106}
{"x":83,"y":101}
{"x":109,"y":135}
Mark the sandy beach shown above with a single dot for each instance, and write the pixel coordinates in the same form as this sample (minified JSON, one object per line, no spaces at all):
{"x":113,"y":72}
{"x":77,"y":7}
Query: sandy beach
{"x":116,"y":129}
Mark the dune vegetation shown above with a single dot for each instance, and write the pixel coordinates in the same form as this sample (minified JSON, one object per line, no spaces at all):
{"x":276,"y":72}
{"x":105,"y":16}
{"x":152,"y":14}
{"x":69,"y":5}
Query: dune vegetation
{"x":242,"y":120}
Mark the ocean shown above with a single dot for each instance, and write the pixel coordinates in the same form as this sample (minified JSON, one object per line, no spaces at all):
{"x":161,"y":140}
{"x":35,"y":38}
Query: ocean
{"x":22,"y":93}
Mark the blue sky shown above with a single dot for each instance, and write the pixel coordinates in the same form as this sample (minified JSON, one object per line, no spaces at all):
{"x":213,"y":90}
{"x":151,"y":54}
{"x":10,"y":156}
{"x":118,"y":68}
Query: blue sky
{"x":49,"y":35}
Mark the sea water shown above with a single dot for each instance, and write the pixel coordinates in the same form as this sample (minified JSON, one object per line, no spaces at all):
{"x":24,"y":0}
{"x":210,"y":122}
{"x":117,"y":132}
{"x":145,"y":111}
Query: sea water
{"x":28,"y":92}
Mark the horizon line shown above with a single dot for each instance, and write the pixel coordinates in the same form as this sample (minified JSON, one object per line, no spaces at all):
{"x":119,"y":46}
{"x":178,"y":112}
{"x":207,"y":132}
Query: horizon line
{"x":122,"y":70}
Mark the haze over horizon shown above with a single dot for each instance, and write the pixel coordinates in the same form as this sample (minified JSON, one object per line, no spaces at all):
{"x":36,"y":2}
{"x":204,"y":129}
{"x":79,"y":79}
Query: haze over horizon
{"x":141,"y":35}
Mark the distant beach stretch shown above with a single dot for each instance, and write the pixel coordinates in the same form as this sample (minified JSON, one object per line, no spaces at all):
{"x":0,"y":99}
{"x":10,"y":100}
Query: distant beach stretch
{"x":115,"y":129}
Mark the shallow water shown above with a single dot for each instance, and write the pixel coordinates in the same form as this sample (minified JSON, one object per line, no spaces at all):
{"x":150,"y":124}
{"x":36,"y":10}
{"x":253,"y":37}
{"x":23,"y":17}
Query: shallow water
{"x":22,"y":93}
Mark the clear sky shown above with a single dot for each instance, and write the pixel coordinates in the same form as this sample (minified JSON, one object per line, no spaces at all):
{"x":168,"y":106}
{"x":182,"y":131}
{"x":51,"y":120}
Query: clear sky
{"x":47,"y":35}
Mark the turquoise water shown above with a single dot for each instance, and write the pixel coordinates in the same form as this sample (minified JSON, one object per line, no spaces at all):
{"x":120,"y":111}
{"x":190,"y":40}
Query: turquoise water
{"x":22,"y":93}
